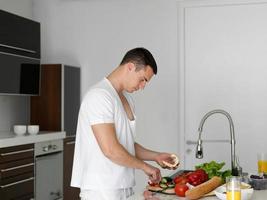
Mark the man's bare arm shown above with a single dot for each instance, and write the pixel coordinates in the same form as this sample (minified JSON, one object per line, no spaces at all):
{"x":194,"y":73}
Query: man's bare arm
{"x":107,"y":140}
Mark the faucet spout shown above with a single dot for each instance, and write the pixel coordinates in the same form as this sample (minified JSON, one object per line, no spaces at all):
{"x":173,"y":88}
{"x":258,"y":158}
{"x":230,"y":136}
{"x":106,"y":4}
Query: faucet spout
{"x":199,"y":150}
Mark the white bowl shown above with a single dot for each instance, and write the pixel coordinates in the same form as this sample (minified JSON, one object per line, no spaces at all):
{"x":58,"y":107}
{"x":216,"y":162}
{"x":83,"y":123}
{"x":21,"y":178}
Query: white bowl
{"x":246,"y":194}
{"x":19,"y":129}
{"x":33,"y":129}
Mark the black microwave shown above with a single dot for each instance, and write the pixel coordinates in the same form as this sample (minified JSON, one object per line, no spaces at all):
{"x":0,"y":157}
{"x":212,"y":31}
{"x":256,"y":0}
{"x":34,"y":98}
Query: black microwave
{"x":19,"y":55}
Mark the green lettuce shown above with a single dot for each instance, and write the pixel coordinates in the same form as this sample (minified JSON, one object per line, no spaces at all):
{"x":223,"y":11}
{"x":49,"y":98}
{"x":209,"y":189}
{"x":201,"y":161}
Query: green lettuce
{"x":213,"y":168}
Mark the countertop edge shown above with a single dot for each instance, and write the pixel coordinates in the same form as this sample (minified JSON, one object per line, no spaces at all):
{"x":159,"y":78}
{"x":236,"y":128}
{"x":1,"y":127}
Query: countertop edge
{"x":28,"y":139}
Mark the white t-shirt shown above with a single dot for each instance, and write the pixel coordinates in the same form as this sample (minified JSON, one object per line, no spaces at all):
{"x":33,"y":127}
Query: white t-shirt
{"x":91,"y":169}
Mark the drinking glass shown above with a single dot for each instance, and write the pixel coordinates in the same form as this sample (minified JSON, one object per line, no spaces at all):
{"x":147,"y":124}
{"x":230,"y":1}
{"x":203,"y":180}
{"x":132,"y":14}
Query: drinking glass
{"x":262,"y":163}
{"x":233,"y":188}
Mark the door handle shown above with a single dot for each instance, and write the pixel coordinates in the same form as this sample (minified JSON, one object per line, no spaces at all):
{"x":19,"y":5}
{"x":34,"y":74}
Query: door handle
{"x":191,"y":142}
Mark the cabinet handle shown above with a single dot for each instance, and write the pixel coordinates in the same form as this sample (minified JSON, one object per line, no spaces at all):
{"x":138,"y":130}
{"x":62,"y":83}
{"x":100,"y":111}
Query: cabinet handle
{"x":72,"y":142}
{"x":17,"y":167}
{"x":16,"y":152}
{"x":17,"y":48}
{"x":16,"y":183}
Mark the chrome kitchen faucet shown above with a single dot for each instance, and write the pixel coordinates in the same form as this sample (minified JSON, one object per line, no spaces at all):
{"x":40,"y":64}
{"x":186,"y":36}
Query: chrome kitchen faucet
{"x":199,"y":149}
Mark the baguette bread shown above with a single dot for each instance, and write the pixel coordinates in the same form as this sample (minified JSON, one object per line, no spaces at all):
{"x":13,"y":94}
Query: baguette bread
{"x":204,"y":188}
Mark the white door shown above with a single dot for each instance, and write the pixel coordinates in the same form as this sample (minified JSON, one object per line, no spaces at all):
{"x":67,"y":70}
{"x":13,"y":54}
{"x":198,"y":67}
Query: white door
{"x":223,"y":60}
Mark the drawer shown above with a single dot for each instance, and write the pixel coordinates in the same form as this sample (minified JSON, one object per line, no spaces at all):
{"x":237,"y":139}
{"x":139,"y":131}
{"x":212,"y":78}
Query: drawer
{"x":15,"y":168}
{"x":16,"y":153}
{"x":19,"y":190}
{"x":14,"y":179}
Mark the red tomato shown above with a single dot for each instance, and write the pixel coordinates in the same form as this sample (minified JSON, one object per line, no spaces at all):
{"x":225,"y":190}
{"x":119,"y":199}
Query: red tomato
{"x":202,"y":171}
{"x":180,"y":189}
{"x":203,"y":175}
{"x":184,"y":181}
{"x":180,"y":180}
{"x":194,"y":179}
{"x":188,"y":174}
{"x":153,"y":184}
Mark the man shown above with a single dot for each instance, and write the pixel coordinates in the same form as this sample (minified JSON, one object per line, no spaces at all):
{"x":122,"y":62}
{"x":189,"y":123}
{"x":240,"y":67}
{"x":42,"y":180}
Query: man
{"x":106,"y":153}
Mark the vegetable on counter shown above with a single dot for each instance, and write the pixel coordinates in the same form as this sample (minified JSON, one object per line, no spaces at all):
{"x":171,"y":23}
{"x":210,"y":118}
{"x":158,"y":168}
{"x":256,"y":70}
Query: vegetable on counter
{"x":194,"y":178}
{"x":166,"y":185}
{"x":214,"y":169}
{"x":193,"y":184}
{"x":197,"y":177}
{"x":205,"y":178}
{"x":180,"y":189}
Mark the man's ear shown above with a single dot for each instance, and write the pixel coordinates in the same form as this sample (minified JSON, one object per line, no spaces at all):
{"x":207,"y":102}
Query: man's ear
{"x":130,"y":66}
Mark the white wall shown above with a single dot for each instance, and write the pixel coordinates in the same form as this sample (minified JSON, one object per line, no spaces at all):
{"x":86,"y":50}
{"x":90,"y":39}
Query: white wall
{"x":19,"y":7}
{"x":15,"y":109}
{"x":96,"y":34}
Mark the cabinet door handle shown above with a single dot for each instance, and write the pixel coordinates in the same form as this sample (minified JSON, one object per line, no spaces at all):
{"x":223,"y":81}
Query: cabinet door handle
{"x":17,"y":48}
{"x":17,"y":167}
{"x":16,"y":152}
{"x":72,"y":142}
{"x":16,"y":183}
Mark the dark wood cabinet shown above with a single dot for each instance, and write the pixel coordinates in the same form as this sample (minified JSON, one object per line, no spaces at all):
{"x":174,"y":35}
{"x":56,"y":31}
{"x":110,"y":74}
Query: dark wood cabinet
{"x":57,"y":107}
{"x":46,"y":108}
{"x":19,"y":55}
{"x":19,"y":35}
{"x":17,"y":172}
{"x":70,"y":193}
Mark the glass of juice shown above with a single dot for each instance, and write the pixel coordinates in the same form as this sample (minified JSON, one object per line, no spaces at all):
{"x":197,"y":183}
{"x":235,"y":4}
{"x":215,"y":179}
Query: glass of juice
{"x":262,"y":163}
{"x":233,"y":188}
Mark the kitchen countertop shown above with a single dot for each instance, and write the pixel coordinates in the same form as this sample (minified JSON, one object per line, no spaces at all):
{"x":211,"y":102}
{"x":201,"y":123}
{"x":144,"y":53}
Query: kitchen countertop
{"x":257,"y":195}
{"x":8,"y":139}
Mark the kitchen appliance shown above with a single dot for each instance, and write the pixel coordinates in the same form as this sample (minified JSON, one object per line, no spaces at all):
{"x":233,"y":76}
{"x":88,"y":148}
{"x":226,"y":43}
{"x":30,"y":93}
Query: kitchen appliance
{"x":49,"y":170}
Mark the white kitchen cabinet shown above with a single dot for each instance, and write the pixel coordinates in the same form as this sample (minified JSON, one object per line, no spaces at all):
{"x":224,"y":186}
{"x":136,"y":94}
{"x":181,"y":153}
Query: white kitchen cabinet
{"x":222,"y":52}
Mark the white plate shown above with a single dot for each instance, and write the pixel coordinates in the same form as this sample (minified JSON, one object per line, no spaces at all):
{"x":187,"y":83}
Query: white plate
{"x":246,"y":194}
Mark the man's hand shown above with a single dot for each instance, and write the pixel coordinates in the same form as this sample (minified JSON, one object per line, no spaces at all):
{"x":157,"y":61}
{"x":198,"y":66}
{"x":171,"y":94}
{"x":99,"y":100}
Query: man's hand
{"x":167,"y":157}
{"x":149,"y":195}
{"x":152,"y":172}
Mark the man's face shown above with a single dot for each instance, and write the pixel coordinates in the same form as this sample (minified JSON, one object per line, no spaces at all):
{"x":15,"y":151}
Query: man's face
{"x":138,"y":79}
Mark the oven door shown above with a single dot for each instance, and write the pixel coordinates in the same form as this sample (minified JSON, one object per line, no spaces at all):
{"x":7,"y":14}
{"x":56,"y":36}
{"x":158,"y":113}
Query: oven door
{"x":49,"y":177}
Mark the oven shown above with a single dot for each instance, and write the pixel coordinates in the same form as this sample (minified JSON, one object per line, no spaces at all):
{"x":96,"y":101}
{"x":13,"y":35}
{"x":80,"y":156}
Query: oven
{"x":49,"y":170}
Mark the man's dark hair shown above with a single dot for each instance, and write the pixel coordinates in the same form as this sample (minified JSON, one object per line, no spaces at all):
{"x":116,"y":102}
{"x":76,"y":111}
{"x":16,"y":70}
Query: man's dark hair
{"x":141,"y":57}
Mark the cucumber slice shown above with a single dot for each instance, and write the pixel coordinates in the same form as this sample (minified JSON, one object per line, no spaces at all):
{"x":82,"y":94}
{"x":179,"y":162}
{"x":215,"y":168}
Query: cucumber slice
{"x":166,"y":179}
{"x":163,"y":185}
{"x":171,"y":185}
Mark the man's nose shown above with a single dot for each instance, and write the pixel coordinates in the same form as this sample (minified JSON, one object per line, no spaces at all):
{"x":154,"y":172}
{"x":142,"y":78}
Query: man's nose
{"x":142,"y":85}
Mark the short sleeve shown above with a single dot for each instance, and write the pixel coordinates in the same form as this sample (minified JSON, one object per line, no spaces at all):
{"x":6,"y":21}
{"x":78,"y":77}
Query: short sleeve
{"x":99,"y":107}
